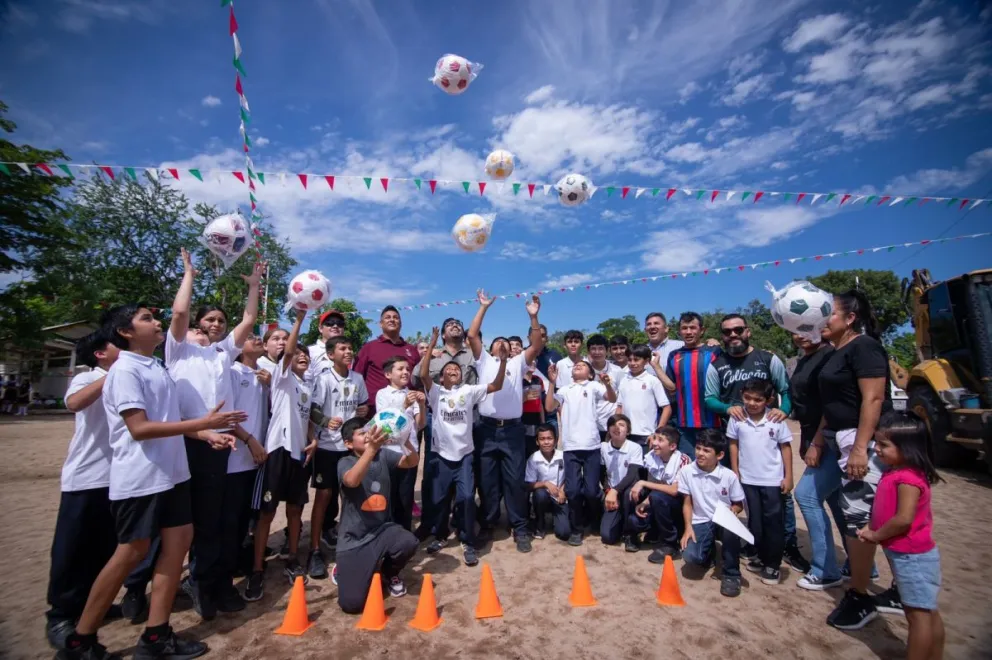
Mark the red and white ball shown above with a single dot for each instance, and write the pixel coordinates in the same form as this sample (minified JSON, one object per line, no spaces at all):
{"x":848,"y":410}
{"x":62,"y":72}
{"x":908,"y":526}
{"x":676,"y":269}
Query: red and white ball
{"x":453,"y":74}
{"x":309,"y":290}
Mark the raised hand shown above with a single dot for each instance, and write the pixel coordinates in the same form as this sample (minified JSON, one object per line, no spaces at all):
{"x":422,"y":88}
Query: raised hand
{"x":435,"y":333}
{"x":335,"y":423}
{"x":264,"y":376}
{"x":376,"y":438}
{"x":605,"y":378}
{"x":484,"y":299}
{"x":224,"y":420}
{"x":552,"y":372}
{"x":502,"y":352}
{"x":187,"y":262}
{"x":256,"y":273}
{"x":534,"y":306}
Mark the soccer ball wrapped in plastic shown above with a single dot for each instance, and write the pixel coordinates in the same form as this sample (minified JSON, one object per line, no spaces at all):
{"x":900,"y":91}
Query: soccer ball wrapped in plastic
{"x":573,"y":189}
{"x":453,"y":73}
{"x":471,"y":231}
{"x":499,"y":164}
{"x":308,"y":290}
{"x":227,"y":238}
{"x":395,"y":424}
{"x":801,"y":308}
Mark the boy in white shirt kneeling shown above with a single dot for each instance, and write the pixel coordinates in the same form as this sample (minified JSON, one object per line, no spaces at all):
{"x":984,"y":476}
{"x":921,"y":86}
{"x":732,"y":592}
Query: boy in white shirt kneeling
{"x":705,"y":485}
{"x":545,"y":479}
{"x":659,"y":504}
{"x":622,"y":461}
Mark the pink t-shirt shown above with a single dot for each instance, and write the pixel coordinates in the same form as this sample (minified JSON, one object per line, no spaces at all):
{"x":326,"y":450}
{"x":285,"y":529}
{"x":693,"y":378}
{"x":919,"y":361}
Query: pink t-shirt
{"x":919,"y":538}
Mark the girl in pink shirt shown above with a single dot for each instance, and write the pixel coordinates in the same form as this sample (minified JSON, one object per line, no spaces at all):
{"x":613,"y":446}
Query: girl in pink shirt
{"x":901,"y":521}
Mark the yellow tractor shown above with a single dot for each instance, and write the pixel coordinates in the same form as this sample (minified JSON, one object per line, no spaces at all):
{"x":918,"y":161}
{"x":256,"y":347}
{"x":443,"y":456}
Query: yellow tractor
{"x":951,"y":387}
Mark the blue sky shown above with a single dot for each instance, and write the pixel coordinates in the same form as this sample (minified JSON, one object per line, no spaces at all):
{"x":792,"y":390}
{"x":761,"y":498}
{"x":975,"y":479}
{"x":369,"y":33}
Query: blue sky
{"x":884,"y":97}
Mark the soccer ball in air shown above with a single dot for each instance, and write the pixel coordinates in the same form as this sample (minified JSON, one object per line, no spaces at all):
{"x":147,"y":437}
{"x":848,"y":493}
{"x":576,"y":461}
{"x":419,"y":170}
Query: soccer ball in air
{"x":309,"y":290}
{"x":802,"y":308}
{"x":471,"y":231}
{"x":395,"y":424}
{"x":573,"y":189}
{"x":226,"y":237}
{"x":499,"y":164}
{"x":453,"y":74}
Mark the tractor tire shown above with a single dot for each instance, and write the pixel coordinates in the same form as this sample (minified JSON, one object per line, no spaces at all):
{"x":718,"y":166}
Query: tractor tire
{"x":928,"y":406}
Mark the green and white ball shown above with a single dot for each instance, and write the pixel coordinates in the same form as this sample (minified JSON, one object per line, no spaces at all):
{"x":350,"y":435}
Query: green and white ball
{"x":802,"y":308}
{"x":395,"y":424}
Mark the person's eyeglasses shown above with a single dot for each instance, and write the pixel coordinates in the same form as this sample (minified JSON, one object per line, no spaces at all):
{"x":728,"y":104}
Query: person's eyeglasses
{"x":736,"y":330}
{"x":335,"y":323}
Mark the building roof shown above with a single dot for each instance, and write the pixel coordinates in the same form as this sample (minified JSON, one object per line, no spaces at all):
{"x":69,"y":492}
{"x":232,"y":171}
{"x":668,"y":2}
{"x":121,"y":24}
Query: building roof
{"x":71,"y":332}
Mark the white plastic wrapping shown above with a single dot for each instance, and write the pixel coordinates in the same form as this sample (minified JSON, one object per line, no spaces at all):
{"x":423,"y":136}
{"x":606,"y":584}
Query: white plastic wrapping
{"x":396,"y":424}
{"x":471,"y":231}
{"x":573,"y":189}
{"x":802,"y":308}
{"x":308,"y":290}
{"x":227,"y":237}
{"x":453,"y":73}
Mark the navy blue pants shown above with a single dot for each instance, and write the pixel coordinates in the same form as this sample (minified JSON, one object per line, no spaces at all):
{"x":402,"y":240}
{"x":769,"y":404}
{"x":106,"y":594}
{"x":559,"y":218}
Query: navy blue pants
{"x":234,"y":522}
{"x":611,"y":527}
{"x":208,"y":481}
{"x":664,"y":518}
{"x":427,"y":512}
{"x":700,"y":551}
{"x":404,"y":485}
{"x":444,"y":475}
{"x":582,"y":486}
{"x":543,"y":505}
{"x":501,"y":473}
{"x":766,"y":521}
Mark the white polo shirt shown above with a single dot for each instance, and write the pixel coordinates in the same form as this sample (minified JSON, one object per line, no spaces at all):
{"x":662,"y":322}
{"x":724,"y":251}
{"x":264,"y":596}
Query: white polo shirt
{"x":759,"y":457}
{"x":541,"y":469}
{"x":291,"y":399}
{"x":391,"y":397}
{"x":87,"y":465}
{"x":507,"y":403}
{"x":578,"y":403}
{"x":663,"y":350}
{"x":337,"y":396}
{"x":145,"y":467}
{"x":202,"y":374}
{"x":250,"y":398}
{"x":606,"y":409}
{"x":617,"y":460}
{"x":319,"y":361}
{"x":641,"y":396}
{"x":708,"y":488}
{"x":662,"y":472}
{"x":564,"y":371}
{"x":265,"y":363}
{"x":452,"y":421}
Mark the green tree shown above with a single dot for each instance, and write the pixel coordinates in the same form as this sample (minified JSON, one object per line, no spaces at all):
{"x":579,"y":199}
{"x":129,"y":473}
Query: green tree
{"x":556,"y":341}
{"x":356,"y":328}
{"x":882,"y":287}
{"x":627,"y":326}
{"x":902,"y":349}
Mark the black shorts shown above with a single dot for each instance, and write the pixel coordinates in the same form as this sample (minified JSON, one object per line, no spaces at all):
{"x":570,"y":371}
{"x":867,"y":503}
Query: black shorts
{"x":138,"y":518}
{"x":325,"y":468}
{"x":283,"y":479}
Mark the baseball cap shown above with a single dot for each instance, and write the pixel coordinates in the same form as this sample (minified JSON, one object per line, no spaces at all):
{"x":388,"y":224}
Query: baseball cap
{"x":329,"y":313}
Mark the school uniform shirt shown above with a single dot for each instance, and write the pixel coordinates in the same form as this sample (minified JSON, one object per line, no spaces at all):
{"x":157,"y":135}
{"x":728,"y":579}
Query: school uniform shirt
{"x":390,"y":397}
{"x":250,"y":398}
{"x":662,"y":351}
{"x":451,"y":427}
{"x":365,"y":509}
{"x":87,"y":465}
{"x":862,"y":357}
{"x":290,"y":398}
{"x":687,"y":369}
{"x":319,"y":362}
{"x":641,"y":396}
{"x":617,"y":460}
{"x":759,"y":457}
{"x":265,"y":363}
{"x":665,"y":472}
{"x":337,"y":396}
{"x":578,"y":403}
{"x":606,"y":409}
{"x":375,"y":353}
{"x":507,"y":403}
{"x":564,"y":372}
{"x":541,"y":469}
{"x":145,"y":467}
{"x":202,"y":374}
{"x":708,"y":488}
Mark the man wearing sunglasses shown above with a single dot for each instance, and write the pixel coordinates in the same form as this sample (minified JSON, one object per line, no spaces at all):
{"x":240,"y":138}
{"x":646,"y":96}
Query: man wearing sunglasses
{"x":331,"y":325}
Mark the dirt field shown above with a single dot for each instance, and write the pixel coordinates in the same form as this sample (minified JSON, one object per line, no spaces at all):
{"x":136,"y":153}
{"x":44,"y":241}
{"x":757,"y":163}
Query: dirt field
{"x":767,"y":622}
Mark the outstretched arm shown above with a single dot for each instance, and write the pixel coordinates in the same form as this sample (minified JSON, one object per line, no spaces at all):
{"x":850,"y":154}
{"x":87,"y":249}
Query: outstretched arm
{"x":536,"y":339}
{"x":243,"y":329}
{"x":497,"y":383}
{"x":425,"y":362}
{"x":180,"y":306}
{"x":475,"y":329}
{"x":294,"y":339}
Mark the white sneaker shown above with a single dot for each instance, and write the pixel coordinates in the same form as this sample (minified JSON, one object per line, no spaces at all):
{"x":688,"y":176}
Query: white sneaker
{"x":396,"y":587}
{"x":813,"y":583}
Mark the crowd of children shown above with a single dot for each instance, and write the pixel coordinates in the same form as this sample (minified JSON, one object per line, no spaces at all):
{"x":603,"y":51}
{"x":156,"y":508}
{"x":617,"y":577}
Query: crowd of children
{"x":195,"y":454}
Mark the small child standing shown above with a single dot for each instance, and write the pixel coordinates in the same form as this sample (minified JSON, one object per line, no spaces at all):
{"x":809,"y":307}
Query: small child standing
{"x":397,"y":395}
{"x":902,"y":522}
{"x":573,"y":348}
{"x":641,"y":396}
{"x":622,"y":461}
{"x":545,"y":479}
{"x":761,"y":457}
{"x":659,"y":504}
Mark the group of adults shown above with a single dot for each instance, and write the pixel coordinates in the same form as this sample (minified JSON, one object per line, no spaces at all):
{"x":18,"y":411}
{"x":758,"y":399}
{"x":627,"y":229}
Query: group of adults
{"x":837,"y":393}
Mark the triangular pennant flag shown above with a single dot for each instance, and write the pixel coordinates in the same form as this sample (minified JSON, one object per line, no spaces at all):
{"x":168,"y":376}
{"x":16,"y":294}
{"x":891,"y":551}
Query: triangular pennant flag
{"x":655,"y":191}
{"x":385,"y":183}
{"x":951,"y":201}
{"x":64,"y":168}
{"x":714,"y":195}
{"x":330,"y":181}
{"x":237,"y":85}
{"x":243,"y":100}
{"x":870,"y":199}
{"x":745,"y":195}
{"x":910,"y":201}
{"x":224,"y":3}
{"x":883,"y":200}
{"x":240,"y":176}
{"x":433,"y":184}
{"x":844,"y":199}
{"x":730,"y":194}
{"x":241,"y":69}
{"x":247,"y":142}
{"x":44,"y":168}
{"x":963,"y":203}
{"x":671,"y":191}
{"x":174,"y":172}
{"x":303,"y":180}
{"x":592,"y":191}
{"x":27,"y":170}
{"x":261,"y":177}
{"x":924,"y":201}
{"x":482,"y":188}
{"x":640,"y":191}
{"x":196,"y":173}
{"x":610,"y":190}
{"x":233,"y":22}
{"x":245,"y":117}
{"x":857,"y":199}
{"x":252,"y":197}
{"x":516,"y":188}
{"x":624,"y":191}
{"x":757,"y":196}
{"x":465,"y":185}
{"x":699,"y":194}
{"x":688,"y":193}
{"x":130,"y":173}
{"x":547,"y":189}
{"x":152,"y":172}
{"x":530,"y":188}
{"x":237,"y":46}
{"x":417,"y":182}
{"x":829,"y":197}
{"x":251,"y":184}
{"x":815,"y":197}
{"x":896,"y":201}
{"x":799,"y":197}
{"x":368,"y":182}
{"x":788,"y":196}
{"x":106,"y":170}
{"x":975,"y":203}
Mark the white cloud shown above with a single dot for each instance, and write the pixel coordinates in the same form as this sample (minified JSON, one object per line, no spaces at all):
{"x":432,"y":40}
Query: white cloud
{"x":780,"y":165}
{"x":567,"y":280}
{"x":744,"y":64}
{"x":932,"y":95}
{"x":688,"y":90}
{"x":823,"y":28}
{"x":519,"y":251}
{"x":800,"y":100}
{"x":369,"y":288}
{"x":691,"y":152}
{"x":210,"y":101}
{"x":749,"y":89}
{"x":261,"y":141}
{"x":540,"y":95}
{"x":78,"y":15}
{"x":933,"y":181}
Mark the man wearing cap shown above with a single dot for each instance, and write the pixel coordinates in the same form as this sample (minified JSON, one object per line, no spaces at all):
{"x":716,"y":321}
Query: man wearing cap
{"x":331,"y":325}
{"x":375,"y":353}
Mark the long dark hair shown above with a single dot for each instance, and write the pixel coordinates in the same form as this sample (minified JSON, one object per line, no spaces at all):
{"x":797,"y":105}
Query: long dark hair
{"x":909,"y":434}
{"x":203,"y":310}
{"x":856,"y":302}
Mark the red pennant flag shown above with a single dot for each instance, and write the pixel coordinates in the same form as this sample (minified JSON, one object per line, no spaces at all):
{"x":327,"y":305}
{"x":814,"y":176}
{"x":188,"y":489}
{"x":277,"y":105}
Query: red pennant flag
{"x":385,"y":184}
{"x":233,"y":22}
{"x":778,"y":263}
{"x":303,"y":179}
{"x":741,"y":268}
{"x":237,"y":85}
{"x":757,"y":196}
{"x":253,"y":206}
{"x":706,"y":272}
{"x":883,"y":200}
{"x":174,"y":172}
{"x":246,"y":147}
{"x":108,"y":171}
{"x":624,"y":191}
{"x":818,"y":257}
{"x":239,"y":176}
{"x":330,"y":181}
{"x":924,"y":201}
{"x":482,"y":188}
{"x":251,"y":185}
{"x":963,"y":202}
{"x":255,"y":231}
{"x":800,"y":198}
{"x":530,"y":188}
{"x":44,"y":168}
{"x":926,"y":242}
{"x":714,"y":195}
{"x":671,"y":191}
{"x":433,"y":184}
{"x":844,"y":199}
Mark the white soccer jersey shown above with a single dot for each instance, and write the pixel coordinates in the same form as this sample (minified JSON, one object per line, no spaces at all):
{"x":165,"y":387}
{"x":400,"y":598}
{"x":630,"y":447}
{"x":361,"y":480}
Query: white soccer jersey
{"x":250,"y":398}
{"x":641,"y":396}
{"x":291,"y":399}
{"x":759,"y":455}
{"x":617,"y":460}
{"x":338,"y":396}
{"x":708,"y":488}
{"x":452,"y":421}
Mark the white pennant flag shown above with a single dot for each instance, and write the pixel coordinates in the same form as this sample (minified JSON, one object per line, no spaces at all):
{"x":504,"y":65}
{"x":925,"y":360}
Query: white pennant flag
{"x":717,"y":270}
{"x":876,"y":249}
{"x":249,"y":163}
{"x":730,"y":194}
{"x":896,"y":201}
{"x":685,"y":274}
{"x":793,"y":260}
{"x":754,"y":266}
{"x":242,"y":129}
{"x":244,"y":103}
{"x":687,"y":192}
{"x":282,"y":178}
{"x":23,"y":166}
{"x":773,"y":194}
{"x":592,"y":191}
{"x":857,"y":199}
{"x":815,"y":197}
{"x":909,"y":244}
{"x":152,"y":172}
{"x":547,"y":188}
{"x":237,"y":47}
{"x":640,"y":191}
{"x":976,"y":203}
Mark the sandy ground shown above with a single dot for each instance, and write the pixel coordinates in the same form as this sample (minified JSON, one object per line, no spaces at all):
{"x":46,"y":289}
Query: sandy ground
{"x":766,"y":621}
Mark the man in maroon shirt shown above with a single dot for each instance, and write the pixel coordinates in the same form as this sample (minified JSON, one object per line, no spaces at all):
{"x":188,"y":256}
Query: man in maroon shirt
{"x":375,"y":353}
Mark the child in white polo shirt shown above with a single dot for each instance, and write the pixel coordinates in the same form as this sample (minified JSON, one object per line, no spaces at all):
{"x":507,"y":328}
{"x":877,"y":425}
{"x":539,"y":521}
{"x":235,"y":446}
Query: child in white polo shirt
{"x":640,"y":397}
{"x":573,"y":350}
{"x":761,"y":456}
{"x":580,"y":440}
{"x":545,"y":479}
{"x":453,"y":404}
{"x":704,"y":484}
{"x":397,"y":395}
{"x":597,"y":347}
{"x":149,"y":484}
{"x":622,"y":461}
{"x":659,"y":504}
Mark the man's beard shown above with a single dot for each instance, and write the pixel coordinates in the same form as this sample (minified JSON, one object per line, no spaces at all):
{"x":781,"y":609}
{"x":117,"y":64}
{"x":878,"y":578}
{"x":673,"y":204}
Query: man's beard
{"x":738,"y":349}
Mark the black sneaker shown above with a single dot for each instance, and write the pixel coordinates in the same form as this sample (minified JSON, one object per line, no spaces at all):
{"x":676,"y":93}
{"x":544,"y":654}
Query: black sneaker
{"x":523,"y":543}
{"x":270,"y":553}
{"x":795,"y":559}
{"x":293,"y":570}
{"x":203,"y":602}
{"x":575,"y":539}
{"x":58,"y":631}
{"x":284,"y":548}
{"x":468,"y":553}
{"x":810,"y":582}
{"x":630,"y":544}
{"x":436,"y":546}
{"x":95,"y":651}
{"x":171,"y":646}
{"x":771,"y":575}
{"x":330,"y":538}
{"x":539,"y":534}
{"x":754,"y":565}
{"x":730,"y":587}
{"x":254,"y":589}
{"x":115,"y":612}
{"x":134,"y":606}
{"x":888,"y":602}
{"x":229,"y":600}
{"x":853,"y":612}
{"x":658,"y":555}
{"x":316,"y":565}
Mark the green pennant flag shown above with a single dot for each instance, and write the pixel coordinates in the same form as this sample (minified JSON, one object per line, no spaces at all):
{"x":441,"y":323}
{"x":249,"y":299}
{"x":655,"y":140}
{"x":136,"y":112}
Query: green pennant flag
{"x":787,"y":196}
{"x":64,"y":168}
{"x":745,"y":195}
{"x":251,"y":196}
{"x":261,"y":177}
{"x":910,"y":201}
{"x":699,"y":194}
{"x":465,"y":185}
{"x":610,"y":191}
{"x":4,"y":169}
{"x":654,"y":193}
{"x":130,"y":173}
{"x":870,"y":199}
{"x":694,"y":273}
{"x":417,"y":183}
{"x":891,"y":248}
{"x":829,"y":197}
{"x":241,"y":69}
{"x":224,"y":3}
{"x":516,"y":188}
{"x":803,"y":259}
{"x":251,"y":175}
{"x":368,"y":182}
{"x":952,"y":201}
{"x":245,"y":117}
{"x":247,"y":140}
{"x":196,"y":173}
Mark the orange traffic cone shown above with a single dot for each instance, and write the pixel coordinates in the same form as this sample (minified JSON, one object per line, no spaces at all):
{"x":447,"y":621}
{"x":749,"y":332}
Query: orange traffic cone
{"x":374,"y":615}
{"x":426,"y":618}
{"x":296,"y":620}
{"x":668,"y":590}
{"x":488,"y":606}
{"x":581,"y":595}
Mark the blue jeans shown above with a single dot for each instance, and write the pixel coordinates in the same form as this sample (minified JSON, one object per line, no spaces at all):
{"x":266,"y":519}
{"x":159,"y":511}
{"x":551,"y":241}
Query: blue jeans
{"x":789,"y":511}
{"x":582,"y":486}
{"x":427,"y":512}
{"x":543,"y":505}
{"x":444,"y":474}
{"x":665,"y":518}
{"x":818,"y":485}
{"x":700,"y":551}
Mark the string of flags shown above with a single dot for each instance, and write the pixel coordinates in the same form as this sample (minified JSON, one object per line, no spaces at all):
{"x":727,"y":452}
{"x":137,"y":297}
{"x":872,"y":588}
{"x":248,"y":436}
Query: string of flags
{"x":482,"y":188}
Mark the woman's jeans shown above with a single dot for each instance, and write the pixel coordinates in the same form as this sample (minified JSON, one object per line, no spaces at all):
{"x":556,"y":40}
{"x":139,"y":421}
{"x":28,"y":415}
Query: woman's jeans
{"x":818,"y":485}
